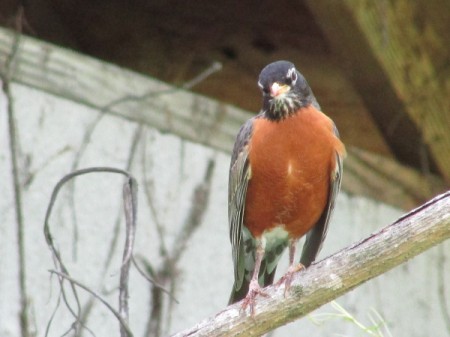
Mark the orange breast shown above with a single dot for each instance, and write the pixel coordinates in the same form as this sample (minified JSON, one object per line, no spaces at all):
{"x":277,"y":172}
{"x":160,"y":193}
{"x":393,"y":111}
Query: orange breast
{"x":291,"y":163}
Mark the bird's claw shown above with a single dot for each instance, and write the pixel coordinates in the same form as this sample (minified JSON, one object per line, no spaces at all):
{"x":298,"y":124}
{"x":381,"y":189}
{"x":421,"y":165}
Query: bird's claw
{"x":249,"y":300}
{"x":287,"y":278}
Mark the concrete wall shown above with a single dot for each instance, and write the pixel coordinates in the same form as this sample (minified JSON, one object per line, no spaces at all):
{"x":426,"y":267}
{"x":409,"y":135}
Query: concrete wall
{"x":50,"y":130}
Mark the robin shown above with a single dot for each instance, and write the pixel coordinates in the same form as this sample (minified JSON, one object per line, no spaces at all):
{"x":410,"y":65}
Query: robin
{"x":285,"y":174}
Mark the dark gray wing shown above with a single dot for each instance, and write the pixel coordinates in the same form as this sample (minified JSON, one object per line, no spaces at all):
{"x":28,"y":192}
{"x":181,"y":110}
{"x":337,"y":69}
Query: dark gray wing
{"x":316,"y":236}
{"x":237,"y":189}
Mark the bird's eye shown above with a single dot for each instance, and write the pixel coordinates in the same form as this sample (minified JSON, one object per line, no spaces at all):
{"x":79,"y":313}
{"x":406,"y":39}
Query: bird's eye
{"x":291,"y":76}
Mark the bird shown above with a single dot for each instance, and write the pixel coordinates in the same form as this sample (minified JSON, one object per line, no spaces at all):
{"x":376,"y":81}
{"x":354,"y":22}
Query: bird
{"x":285,"y":174}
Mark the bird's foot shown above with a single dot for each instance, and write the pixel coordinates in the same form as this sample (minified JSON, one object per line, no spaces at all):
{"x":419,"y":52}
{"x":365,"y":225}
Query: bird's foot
{"x":249,"y":300}
{"x":287,"y":278}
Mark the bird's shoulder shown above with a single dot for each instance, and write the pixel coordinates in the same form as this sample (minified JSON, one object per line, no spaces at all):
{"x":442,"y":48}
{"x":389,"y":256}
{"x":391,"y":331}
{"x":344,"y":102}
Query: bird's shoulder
{"x":243,"y":137}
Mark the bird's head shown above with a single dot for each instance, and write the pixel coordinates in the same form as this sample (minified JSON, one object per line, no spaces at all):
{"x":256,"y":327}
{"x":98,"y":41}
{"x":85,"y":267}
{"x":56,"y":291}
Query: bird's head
{"x":284,"y":90}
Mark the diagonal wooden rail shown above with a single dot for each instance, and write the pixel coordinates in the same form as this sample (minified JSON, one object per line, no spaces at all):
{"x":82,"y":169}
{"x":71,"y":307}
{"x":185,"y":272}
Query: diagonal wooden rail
{"x":412,"y":234}
{"x":396,"y":50}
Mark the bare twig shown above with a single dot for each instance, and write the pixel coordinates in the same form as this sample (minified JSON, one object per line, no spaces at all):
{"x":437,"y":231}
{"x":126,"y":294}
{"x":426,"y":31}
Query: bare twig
{"x":87,"y":308}
{"x":412,"y":234}
{"x":199,"y":205}
{"x":31,"y":175}
{"x":194,"y":218}
{"x":123,"y":323}
{"x":168,"y":271}
{"x":130,"y":202}
{"x":6,"y":74}
{"x":130,"y":206}
{"x":58,"y":187}
{"x":148,"y":191}
{"x":214,"y":67}
{"x":86,"y":140}
{"x":150,"y":280}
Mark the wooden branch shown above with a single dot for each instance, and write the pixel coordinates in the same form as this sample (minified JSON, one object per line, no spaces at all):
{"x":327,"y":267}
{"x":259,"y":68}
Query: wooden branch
{"x":332,"y":277}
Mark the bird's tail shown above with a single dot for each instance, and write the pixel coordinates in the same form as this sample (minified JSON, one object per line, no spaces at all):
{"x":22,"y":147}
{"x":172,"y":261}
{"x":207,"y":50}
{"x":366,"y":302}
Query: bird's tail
{"x":238,"y":294}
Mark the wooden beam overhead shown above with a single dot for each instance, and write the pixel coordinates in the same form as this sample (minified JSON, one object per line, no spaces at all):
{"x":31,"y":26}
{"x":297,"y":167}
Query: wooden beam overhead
{"x":397,"y":55}
{"x":140,"y":99}
{"x":177,"y":43}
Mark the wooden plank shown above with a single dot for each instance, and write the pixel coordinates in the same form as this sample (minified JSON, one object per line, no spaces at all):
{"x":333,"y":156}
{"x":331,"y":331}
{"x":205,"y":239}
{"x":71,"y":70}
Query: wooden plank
{"x":106,"y":87}
{"x":381,"y":178}
{"x":175,"y":47}
{"x":395,"y":53}
{"x":193,"y":117}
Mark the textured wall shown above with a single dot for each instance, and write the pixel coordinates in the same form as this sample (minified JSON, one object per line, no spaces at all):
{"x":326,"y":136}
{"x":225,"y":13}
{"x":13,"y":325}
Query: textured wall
{"x":50,"y":132}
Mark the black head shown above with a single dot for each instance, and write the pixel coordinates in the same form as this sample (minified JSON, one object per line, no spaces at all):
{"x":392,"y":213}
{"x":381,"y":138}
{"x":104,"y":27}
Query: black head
{"x":284,"y":89}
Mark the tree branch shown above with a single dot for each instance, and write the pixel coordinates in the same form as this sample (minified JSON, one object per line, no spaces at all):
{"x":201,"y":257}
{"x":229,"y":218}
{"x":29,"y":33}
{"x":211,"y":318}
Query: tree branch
{"x":130,"y":205}
{"x":6,"y":74}
{"x":412,"y":234}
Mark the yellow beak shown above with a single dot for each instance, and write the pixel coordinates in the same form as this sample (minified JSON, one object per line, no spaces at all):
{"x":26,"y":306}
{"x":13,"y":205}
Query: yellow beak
{"x":276,"y":89}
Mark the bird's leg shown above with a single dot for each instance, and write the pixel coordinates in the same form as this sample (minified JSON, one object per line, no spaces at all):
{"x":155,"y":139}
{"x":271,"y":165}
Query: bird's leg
{"x":293,"y":267}
{"x":254,"y":288}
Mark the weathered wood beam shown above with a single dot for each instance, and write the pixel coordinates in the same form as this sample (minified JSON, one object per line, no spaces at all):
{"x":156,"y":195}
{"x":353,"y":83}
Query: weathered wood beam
{"x":138,"y":98}
{"x":385,"y":179}
{"x":396,"y":54}
{"x":332,"y":277}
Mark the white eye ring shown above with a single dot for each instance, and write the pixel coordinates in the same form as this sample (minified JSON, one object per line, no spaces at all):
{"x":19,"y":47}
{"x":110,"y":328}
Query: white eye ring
{"x":292,"y":74}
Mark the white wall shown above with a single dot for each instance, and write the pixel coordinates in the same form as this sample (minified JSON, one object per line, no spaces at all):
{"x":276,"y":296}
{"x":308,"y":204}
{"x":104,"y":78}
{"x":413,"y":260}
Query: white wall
{"x":50,"y":131}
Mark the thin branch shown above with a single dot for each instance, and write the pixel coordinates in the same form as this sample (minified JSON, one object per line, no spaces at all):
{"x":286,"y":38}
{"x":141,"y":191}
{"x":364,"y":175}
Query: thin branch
{"x":59,"y":264}
{"x":148,"y":191}
{"x":199,"y":205}
{"x":150,"y":280}
{"x":193,"y":220}
{"x":89,"y":305}
{"x":6,"y":75}
{"x":123,"y":323}
{"x":56,"y":190}
{"x":412,"y":234}
{"x":214,"y":67}
{"x":130,"y":206}
{"x":167,"y":273}
{"x":123,"y":289}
